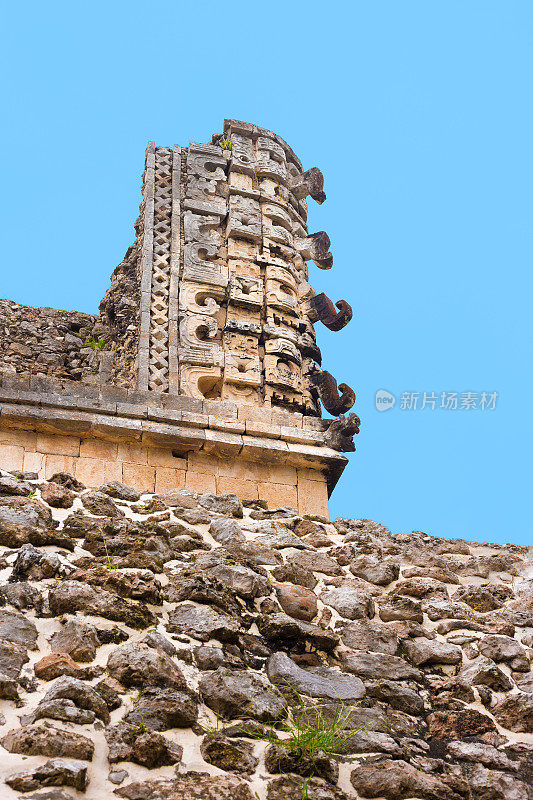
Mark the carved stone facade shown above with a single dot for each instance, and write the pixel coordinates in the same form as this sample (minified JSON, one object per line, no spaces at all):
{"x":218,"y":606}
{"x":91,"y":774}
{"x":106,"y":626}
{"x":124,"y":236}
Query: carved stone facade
{"x":227,"y":311}
{"x":210,"y":311}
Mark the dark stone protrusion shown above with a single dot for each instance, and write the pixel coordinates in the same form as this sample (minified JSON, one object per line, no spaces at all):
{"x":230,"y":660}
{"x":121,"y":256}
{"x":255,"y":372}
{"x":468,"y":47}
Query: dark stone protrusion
{"x":325,"y":312}
{"x":326,"y":386}
{"x":341,"y":431}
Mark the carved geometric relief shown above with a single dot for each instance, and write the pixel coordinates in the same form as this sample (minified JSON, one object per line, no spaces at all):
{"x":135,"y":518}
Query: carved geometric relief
{"x":158,"y":364}
{"x":241,"y":320}
{"x":277,"y":224}
{"x":281,"y":289}
{"x":270,"y":159}
{"x":245,"y":291}
{"x":284,"y":349}
{"x":197,"y":298}
{"x":200,"y":381}
{"x":201,"y":229}
{"x":280,"y":371}
{"x":242,"y":154}
{"x":244,"y":218}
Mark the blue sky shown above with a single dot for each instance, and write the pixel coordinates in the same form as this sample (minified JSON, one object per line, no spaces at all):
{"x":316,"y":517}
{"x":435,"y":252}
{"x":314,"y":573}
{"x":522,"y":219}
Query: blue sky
{"x":418,"y":113}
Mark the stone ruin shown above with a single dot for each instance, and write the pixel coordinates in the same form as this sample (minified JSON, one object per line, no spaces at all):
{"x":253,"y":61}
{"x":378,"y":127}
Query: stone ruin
{"x":177,"y":611}
{"x":202,"y":370}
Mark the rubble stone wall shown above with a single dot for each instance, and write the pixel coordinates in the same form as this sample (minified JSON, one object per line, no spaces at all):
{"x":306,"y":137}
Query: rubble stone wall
{"x":48,"y":342}
{"x":154,"y":647}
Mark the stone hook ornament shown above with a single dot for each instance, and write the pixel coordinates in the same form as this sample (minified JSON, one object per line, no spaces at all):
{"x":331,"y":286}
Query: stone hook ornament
{"x":309,"y":183}
{"x":315,"y":247}
{"x":323,"y":310}
{"x":326,"y":386}
{"x":339,"y":435}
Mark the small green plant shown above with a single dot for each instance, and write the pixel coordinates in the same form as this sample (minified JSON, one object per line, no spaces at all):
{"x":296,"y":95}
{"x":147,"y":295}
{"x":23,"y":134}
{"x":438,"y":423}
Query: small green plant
{"x":214,"y":728}
{"x":18,"y":701}
{"x":109,"y":564}
{"x":32,"y":495}
{"x":225,"y":143}
{"x":305,"y":732}
{"x":94,"y":342}
{"x":141,"y":727}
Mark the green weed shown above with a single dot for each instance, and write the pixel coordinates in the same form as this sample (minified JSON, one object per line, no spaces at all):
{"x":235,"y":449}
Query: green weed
{"x":225,"y":143}
{"x":95,"y":343}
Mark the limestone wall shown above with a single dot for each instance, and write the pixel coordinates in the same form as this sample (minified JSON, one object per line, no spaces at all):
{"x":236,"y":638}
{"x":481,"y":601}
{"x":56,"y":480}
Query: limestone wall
{"x":95,"y":461}
{"x":150,"y":642}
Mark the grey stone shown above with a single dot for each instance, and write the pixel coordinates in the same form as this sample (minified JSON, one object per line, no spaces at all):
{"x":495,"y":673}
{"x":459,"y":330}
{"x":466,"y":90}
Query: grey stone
{"x":81,"y":694}
{"x":433,"y":652}
{"x":203,"y":623}
{"x":253,"y":554}
{"x":160,"y":708}
{"x":503,"y":648}
{"x":242,"y":581}
{"x":379,"y":665}
{"x":117,"y":776}
{"x":37,"y":740}
{"x":377,"y":637}
{"x":101,"y":505}
{"x":290,"y":573}
{"x":10,"y":485}
{"x":56,"y":772}
{"x":241,"y":695}
{"x":480,"y":753}
{"x":13,"y":656}
{"x":147,"y":748}
{"x":350,"y":603}
{"x":206,"y":787}
{"x":314,"y":562}
{"x":315,"y":682}
{"x":484,"y":672}
{"x":24,"y":521}
{"x":226,"y":531}
{"x":72,"y":596}
{"x":228,"y":504}
{"x":33,"y":564}
{"x":396,"y":607}
{"x":496,"y":785}
{"x":160,"y":642}
{"x":375,"y":570}
{"x":138,"y":665}
{"x":397,"y":695}
{"x":78,"y":639}
{"x":8,"y":687}
{"x":21,"y":595}
{"x":63,"y":710}
{"x":15,"y":627}
{"x":120,"y":491}
{"x":397,"y":780}
{"x":282,"y":539}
